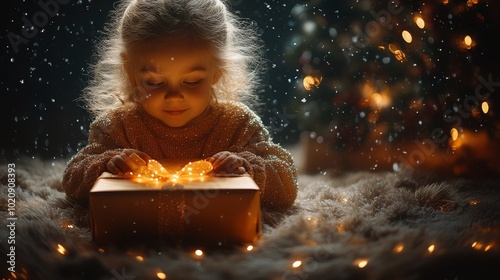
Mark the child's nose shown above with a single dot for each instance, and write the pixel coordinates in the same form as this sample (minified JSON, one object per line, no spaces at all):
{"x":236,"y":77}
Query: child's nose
{"x":173,"y":95}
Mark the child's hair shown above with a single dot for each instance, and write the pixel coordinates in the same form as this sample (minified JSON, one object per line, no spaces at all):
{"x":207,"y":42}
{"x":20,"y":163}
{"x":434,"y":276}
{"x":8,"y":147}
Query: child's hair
{"x":236,"y":47}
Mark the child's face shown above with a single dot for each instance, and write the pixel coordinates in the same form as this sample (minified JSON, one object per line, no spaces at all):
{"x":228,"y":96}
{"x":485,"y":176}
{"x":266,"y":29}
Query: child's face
{"x":174,"y":81}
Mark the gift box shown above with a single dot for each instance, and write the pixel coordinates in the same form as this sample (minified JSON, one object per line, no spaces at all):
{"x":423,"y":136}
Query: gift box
{"x":203,"y":211}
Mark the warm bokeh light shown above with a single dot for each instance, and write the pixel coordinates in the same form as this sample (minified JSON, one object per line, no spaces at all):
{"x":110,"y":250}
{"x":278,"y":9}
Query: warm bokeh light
{"x":419,"y":21}
{"x":361,"y":263}
{"x":198,"y":252}
{"x":398,"y":53}
{"x":139,"y":258}
{"x":380,"y":100}
{"x":407,"y":36}
{"x":454,"y":134}
{"x":311,"y":82}
{"x":61,"y":249}
{"x":296,"y":264}
{"x":468,"y":42}
{"x":473,"y":202}
{"x":249,"y":248}
{"x":399,"y":248}
{"x":161,"y":275}
{"x":471,"y":3}
{"x":431,"y":248}
{"x":485,"y":107}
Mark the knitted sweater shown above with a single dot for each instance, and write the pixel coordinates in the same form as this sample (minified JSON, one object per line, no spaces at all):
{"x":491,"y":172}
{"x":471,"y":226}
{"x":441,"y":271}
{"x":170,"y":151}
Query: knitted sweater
{"x":224,"y":126}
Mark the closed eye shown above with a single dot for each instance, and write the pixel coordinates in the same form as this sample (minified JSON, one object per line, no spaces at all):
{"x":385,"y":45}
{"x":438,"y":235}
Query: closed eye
{"x":192,"y":83}
{"x":153,"y":85}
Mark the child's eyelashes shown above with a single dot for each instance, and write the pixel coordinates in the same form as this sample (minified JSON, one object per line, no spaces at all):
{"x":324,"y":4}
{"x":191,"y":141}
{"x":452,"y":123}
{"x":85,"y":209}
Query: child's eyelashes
{"x":192,"y":83}
{"x":151,"y":85}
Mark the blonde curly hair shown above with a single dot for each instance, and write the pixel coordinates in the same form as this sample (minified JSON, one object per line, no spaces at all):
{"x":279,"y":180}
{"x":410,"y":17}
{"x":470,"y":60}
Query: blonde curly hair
{"x":237,"y":49}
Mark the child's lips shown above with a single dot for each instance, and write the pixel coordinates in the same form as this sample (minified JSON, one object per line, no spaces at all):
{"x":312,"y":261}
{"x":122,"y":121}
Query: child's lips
{"x":175,"y":112}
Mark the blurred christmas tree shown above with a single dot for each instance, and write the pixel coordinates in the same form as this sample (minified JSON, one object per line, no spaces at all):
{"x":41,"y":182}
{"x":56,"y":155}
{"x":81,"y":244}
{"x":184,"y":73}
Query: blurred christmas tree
{"x":391,"y":82}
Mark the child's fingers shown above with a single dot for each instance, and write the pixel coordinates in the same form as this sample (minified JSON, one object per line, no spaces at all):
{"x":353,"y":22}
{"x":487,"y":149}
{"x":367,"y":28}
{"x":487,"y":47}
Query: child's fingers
{"x":220,"y":160}
{"x":111,"y":166}
{"x":118,"y":165}
{"x":131,"y":162}
{"x":240,"y":170}
{"x":142,"y":155}
{"x":137,"y":159}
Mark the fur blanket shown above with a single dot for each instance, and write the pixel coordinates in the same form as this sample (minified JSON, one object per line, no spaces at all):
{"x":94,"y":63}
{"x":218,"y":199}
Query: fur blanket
{"x":355,"y":226}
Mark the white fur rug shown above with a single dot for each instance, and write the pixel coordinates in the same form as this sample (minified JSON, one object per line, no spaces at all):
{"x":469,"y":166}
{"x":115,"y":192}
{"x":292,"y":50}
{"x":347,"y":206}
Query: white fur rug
{"x":357,"y":226}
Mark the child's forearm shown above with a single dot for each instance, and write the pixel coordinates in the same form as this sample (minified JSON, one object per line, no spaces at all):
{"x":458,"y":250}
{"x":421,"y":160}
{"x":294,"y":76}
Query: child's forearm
{"x":276,"y":176}
{"x":82,"y":172}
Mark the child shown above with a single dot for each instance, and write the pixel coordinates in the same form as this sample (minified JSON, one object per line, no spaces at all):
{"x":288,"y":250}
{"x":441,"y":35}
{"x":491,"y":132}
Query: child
{"x":169,"y":84}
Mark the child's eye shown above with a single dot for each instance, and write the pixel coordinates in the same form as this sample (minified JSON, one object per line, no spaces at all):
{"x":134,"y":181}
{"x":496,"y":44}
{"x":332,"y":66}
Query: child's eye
{"x":152,"y":85}
{"x":192,"y":83}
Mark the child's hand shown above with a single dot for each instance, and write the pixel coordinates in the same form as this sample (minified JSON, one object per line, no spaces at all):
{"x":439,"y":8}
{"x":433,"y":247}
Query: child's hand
{"x":128,"y":160}
{"x":227,"y":163}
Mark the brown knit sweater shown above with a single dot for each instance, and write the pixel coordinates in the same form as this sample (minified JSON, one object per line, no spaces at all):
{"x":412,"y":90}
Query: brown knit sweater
{"x":224,"y":126}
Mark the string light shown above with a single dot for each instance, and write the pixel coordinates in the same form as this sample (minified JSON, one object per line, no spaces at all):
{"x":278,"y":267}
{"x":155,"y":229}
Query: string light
{"x":485,"y":107}
{"x":407,"y":36}
{"x":61,"y":249}
{"x":431,"y":248}
{"x":296,"y":264}
{"x":161,"y":275}
{"x":198,"y":253}
{"x":399,"y":248}
{"x":155,"y":173}
{"x":361,"y":263}
{"x":419,"y":21}
{"x":454,"y":134}
{"x":309,"y":82}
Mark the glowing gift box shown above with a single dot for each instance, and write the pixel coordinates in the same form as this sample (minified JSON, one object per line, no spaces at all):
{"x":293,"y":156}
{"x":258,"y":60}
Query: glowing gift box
{"x":200,"y":211}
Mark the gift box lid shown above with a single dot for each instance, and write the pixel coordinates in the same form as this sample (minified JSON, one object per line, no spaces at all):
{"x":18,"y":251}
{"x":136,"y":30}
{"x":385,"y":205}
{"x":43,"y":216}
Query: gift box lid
{"x":117,"y":183}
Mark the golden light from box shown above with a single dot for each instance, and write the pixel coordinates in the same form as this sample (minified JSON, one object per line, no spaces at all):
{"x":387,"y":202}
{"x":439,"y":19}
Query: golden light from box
{"x":155,"y":173}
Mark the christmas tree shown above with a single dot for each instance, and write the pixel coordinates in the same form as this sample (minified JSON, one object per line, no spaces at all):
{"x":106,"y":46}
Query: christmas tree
{"x":387,"y":83}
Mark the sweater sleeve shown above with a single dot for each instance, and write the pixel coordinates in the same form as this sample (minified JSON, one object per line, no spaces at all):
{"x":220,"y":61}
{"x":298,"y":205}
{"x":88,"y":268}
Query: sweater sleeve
{"x":86,"y":166}
{"x":270,"y":165}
